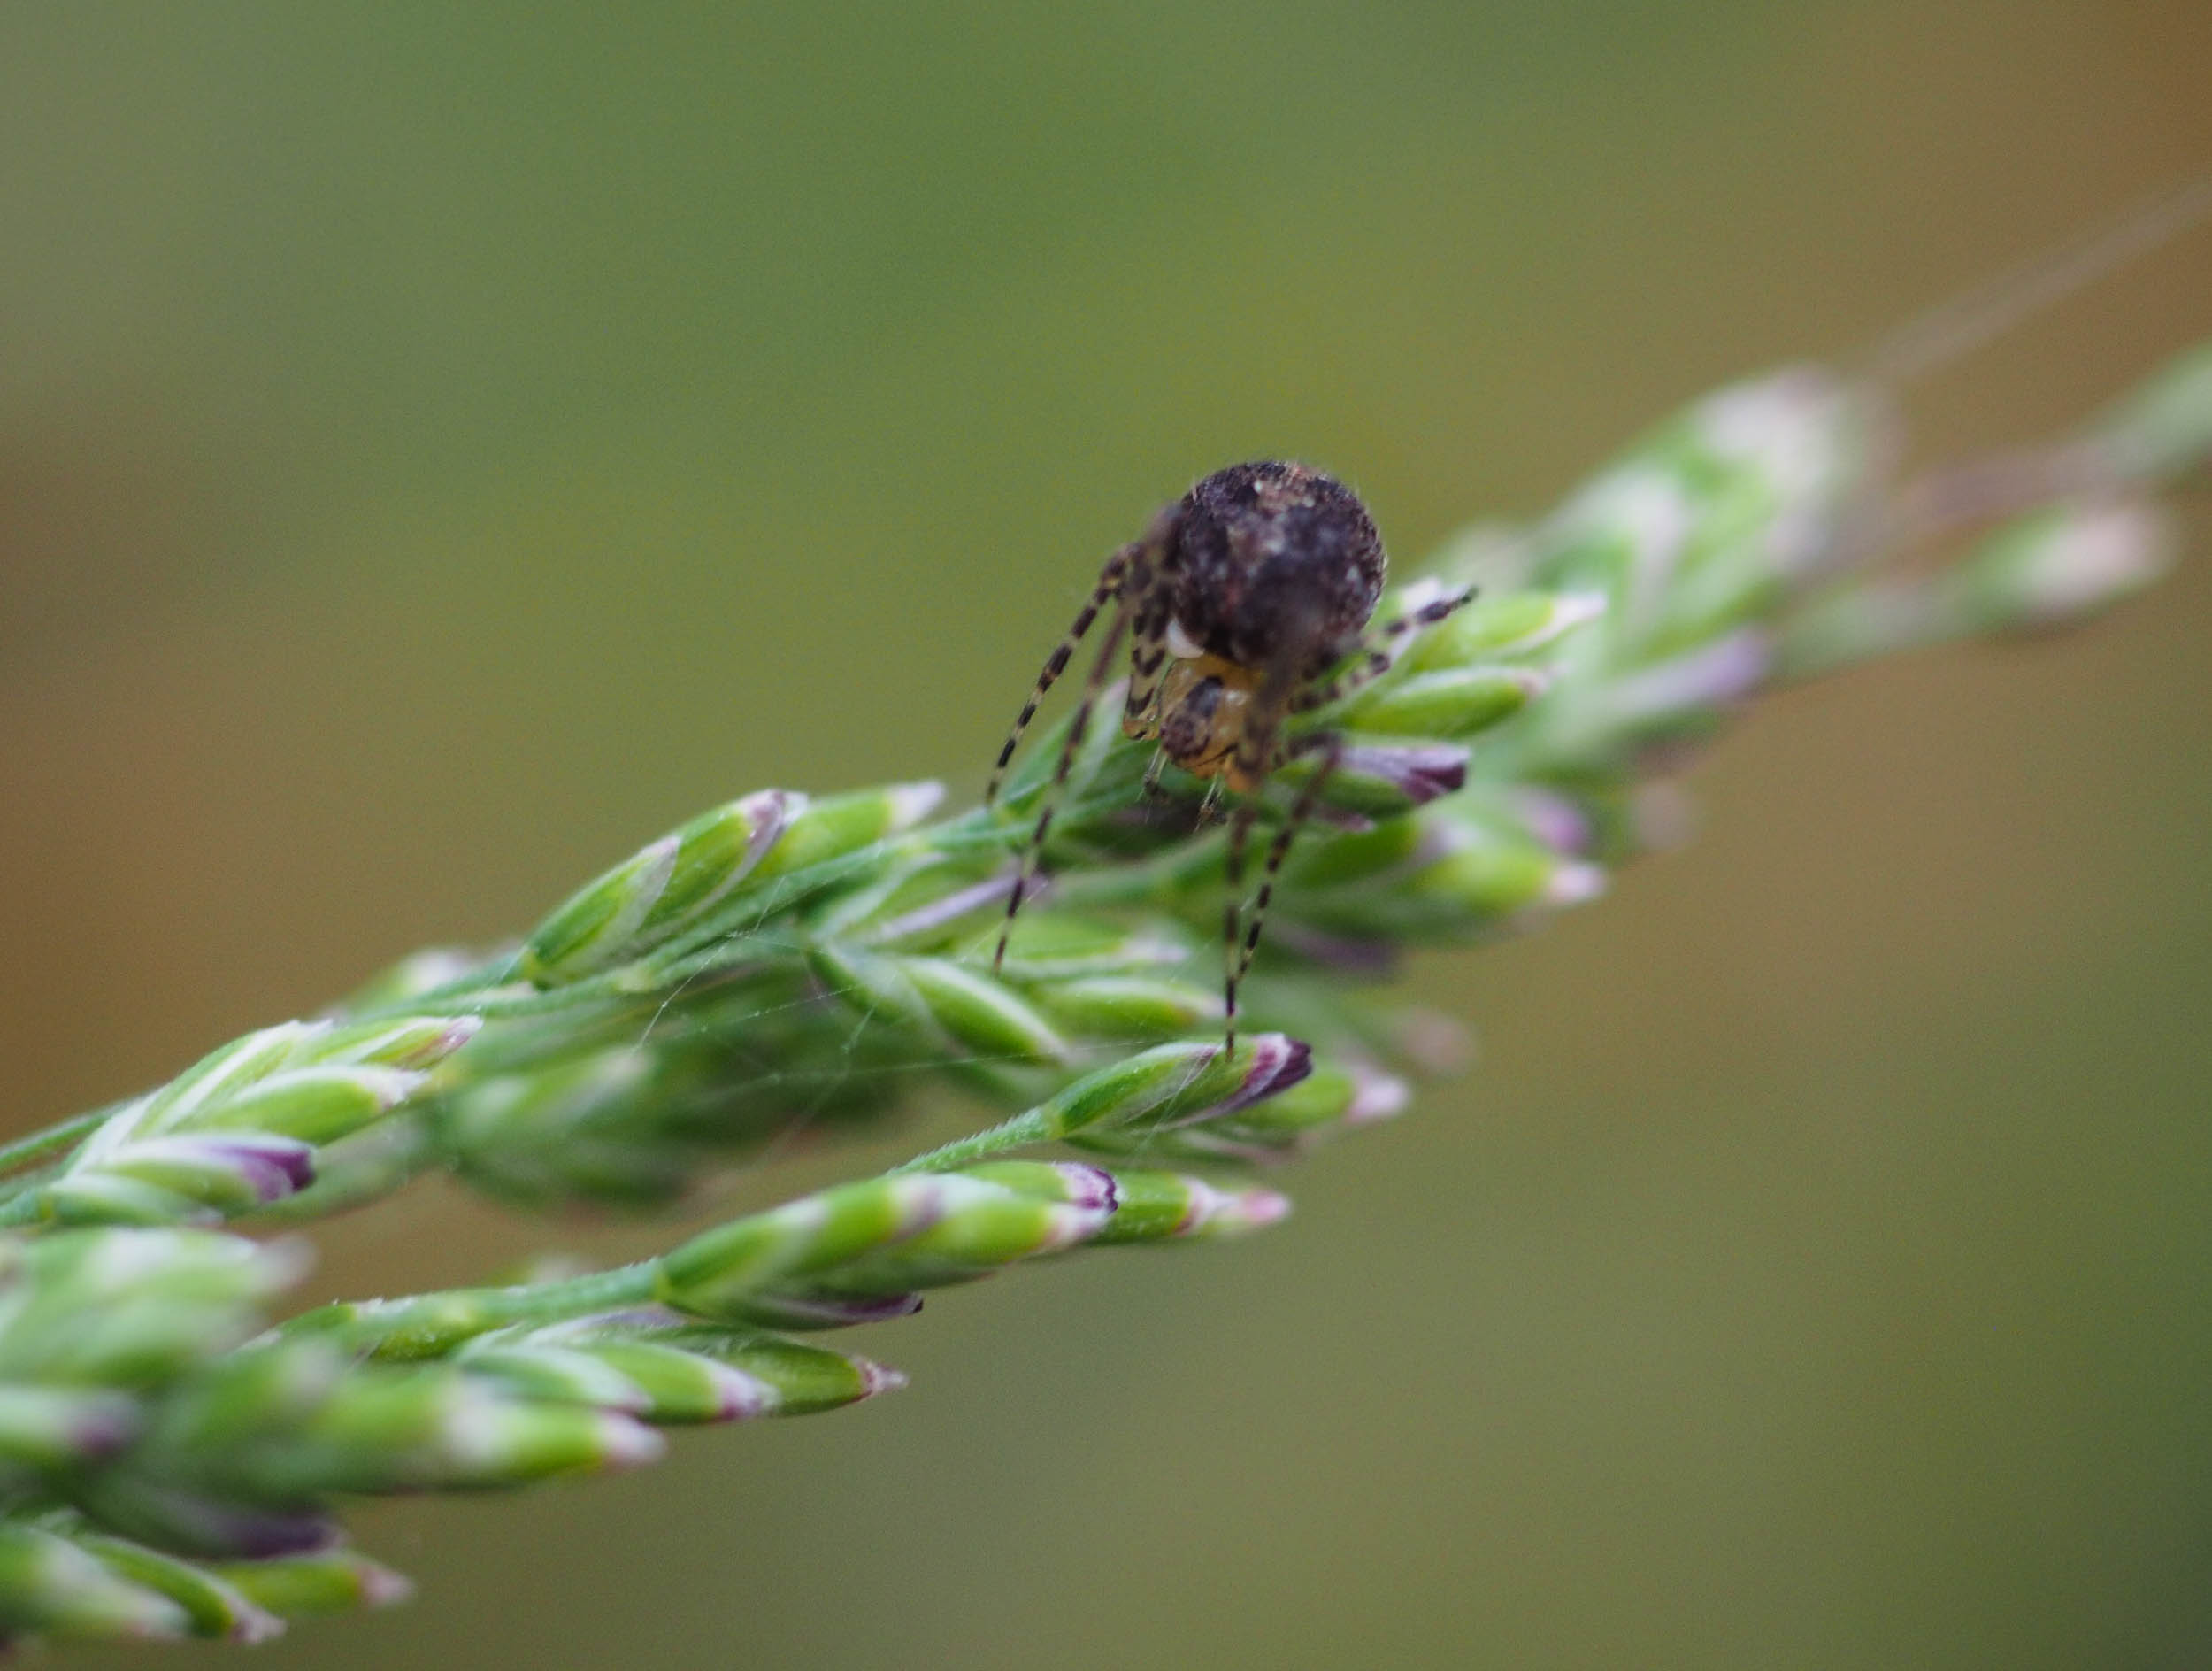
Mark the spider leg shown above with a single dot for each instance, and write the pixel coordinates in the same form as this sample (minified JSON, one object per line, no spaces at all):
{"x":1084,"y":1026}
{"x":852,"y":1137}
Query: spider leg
{"x":1330,"y":745}
{"x":1231,"y":915}
{"x":1378,"y":659}
{"x":1034,"y":854}
{"x":1255,"y":757}
{"x":1111,"y":580}
{"x":1155,"y":561}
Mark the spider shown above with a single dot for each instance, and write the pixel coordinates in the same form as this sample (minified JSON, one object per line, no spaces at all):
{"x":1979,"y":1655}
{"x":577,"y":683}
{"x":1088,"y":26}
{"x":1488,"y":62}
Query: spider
{"x":1243,"y":603}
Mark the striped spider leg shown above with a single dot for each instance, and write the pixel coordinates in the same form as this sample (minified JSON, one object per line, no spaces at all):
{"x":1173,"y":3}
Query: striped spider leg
{"x":1380,"y":655}
{"x":1135,"y":584}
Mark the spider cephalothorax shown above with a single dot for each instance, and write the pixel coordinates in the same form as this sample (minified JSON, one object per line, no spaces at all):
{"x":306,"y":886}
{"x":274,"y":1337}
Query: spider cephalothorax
{"x":1239,"y":602}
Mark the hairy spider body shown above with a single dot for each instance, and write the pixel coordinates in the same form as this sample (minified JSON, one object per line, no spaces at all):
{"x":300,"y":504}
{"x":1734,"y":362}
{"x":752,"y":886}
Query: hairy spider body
{"x":1238,"y":602}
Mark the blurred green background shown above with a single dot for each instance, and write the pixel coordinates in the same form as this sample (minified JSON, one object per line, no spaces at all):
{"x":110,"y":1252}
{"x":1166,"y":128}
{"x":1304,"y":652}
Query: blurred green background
{"x":441,"y":446}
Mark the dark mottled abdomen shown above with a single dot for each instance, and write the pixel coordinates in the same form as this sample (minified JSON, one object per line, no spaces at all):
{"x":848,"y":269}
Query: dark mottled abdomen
{"x":1278,"y":561}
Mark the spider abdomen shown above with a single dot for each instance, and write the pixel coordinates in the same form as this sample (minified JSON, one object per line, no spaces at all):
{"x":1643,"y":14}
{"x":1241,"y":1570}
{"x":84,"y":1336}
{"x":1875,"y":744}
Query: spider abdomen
{"x":1276,"y":563}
